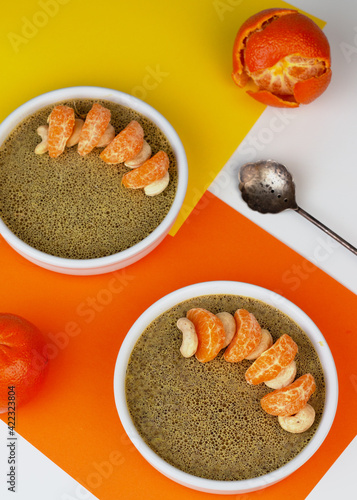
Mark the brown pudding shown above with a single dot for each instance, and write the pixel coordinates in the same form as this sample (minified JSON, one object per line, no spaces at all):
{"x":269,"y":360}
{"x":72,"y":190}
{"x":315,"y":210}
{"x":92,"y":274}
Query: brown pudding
{"x":73,"y":206}
{"x":204,"y":418}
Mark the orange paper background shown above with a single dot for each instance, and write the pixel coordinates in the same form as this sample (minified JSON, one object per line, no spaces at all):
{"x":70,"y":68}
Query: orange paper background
{"x":74,"y":420}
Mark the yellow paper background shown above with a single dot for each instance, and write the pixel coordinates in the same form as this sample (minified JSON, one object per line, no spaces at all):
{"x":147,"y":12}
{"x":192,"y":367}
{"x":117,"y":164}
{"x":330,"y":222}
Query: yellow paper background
{"x":176,"y":56}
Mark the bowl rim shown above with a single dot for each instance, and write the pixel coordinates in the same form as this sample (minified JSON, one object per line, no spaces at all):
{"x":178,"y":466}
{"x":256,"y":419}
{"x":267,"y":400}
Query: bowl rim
{"x":93,"y":92}
{"x":235,"y":288}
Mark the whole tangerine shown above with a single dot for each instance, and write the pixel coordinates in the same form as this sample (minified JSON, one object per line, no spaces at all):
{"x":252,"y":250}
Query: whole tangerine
{"x":23,"y":361}
{"x":284,"y":56}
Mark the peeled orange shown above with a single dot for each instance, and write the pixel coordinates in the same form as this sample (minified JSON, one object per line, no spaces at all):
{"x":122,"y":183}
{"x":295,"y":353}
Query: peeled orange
{"x":284,"y":56}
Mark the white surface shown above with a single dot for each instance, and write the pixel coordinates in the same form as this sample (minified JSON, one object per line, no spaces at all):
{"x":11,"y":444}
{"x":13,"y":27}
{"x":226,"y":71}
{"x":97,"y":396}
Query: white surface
{"x":317,"y":144}
{"x":38,"y":478}
{"x":235,"y":288}
{"x":340,"y":480}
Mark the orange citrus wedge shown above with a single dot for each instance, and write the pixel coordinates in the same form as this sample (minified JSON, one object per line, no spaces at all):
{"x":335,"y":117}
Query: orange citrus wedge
{"x":291,"y":399}
{"x":126,"y":145}
{"x":96,"y":122}
{"x":246,"y":338}
{"x":60,"y":127}
{"x":272,"y":361}
{"x":210,"y":333}
{"x":152,"y":170}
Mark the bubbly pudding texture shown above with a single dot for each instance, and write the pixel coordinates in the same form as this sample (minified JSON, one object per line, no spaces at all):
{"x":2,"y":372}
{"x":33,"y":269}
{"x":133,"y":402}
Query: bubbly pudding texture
{"x":203,"y":418}
{"x":73,"y":206}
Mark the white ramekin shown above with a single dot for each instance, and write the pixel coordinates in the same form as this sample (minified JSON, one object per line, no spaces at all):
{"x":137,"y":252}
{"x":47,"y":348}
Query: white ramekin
{"x":235,"y":288}
{"x":126,"y":257}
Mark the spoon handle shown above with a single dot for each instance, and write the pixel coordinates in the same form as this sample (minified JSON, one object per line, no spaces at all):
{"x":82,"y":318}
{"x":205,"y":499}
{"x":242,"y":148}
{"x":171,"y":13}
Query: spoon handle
{"x":327,"y":230}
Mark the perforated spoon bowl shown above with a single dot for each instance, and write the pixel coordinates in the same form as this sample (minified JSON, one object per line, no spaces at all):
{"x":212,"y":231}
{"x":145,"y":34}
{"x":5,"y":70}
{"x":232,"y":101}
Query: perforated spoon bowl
{"x":268,"y":187}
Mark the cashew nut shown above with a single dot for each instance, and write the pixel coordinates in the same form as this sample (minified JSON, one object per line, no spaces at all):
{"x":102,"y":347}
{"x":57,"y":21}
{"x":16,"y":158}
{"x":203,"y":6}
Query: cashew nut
{"x":189,"y":337}
{"x":107,"y":137}
{"x":285,"y":377}
{"x":157,"y":187}
{"x":42,"y":147}
{"x":143,"y":155}
{"x":229,"y":326}
{"x":300,"y":422}
{"x":266,"y":341}
{"x":77,"y":129}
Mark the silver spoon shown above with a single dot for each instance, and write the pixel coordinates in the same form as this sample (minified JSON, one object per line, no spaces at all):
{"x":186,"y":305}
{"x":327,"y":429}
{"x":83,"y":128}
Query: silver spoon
{"x":268,"y":187}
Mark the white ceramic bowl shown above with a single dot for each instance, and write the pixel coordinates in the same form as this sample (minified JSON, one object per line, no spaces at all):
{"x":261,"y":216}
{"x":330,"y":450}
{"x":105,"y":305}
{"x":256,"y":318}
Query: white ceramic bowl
{"x":126,"y":257}
{"x":235,"y":288}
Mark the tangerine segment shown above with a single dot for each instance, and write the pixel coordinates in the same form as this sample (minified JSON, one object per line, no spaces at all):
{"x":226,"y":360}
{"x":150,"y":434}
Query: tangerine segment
{"x":60,"y":127}
{"x":251,"y":25}
{"x":150,"y":171}
{"x":272,"y":361}
{"x":285,"y":74}
{"x":246,"y":338}
{"x":210,"y":333}
{"x":96,"y":122}
{"x":291,"y":399}
{"x":126,"y":145}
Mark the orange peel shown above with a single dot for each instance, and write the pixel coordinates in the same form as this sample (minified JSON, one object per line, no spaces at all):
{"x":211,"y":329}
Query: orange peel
{"x":270,"y":99}
{"x":284,"y":55}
